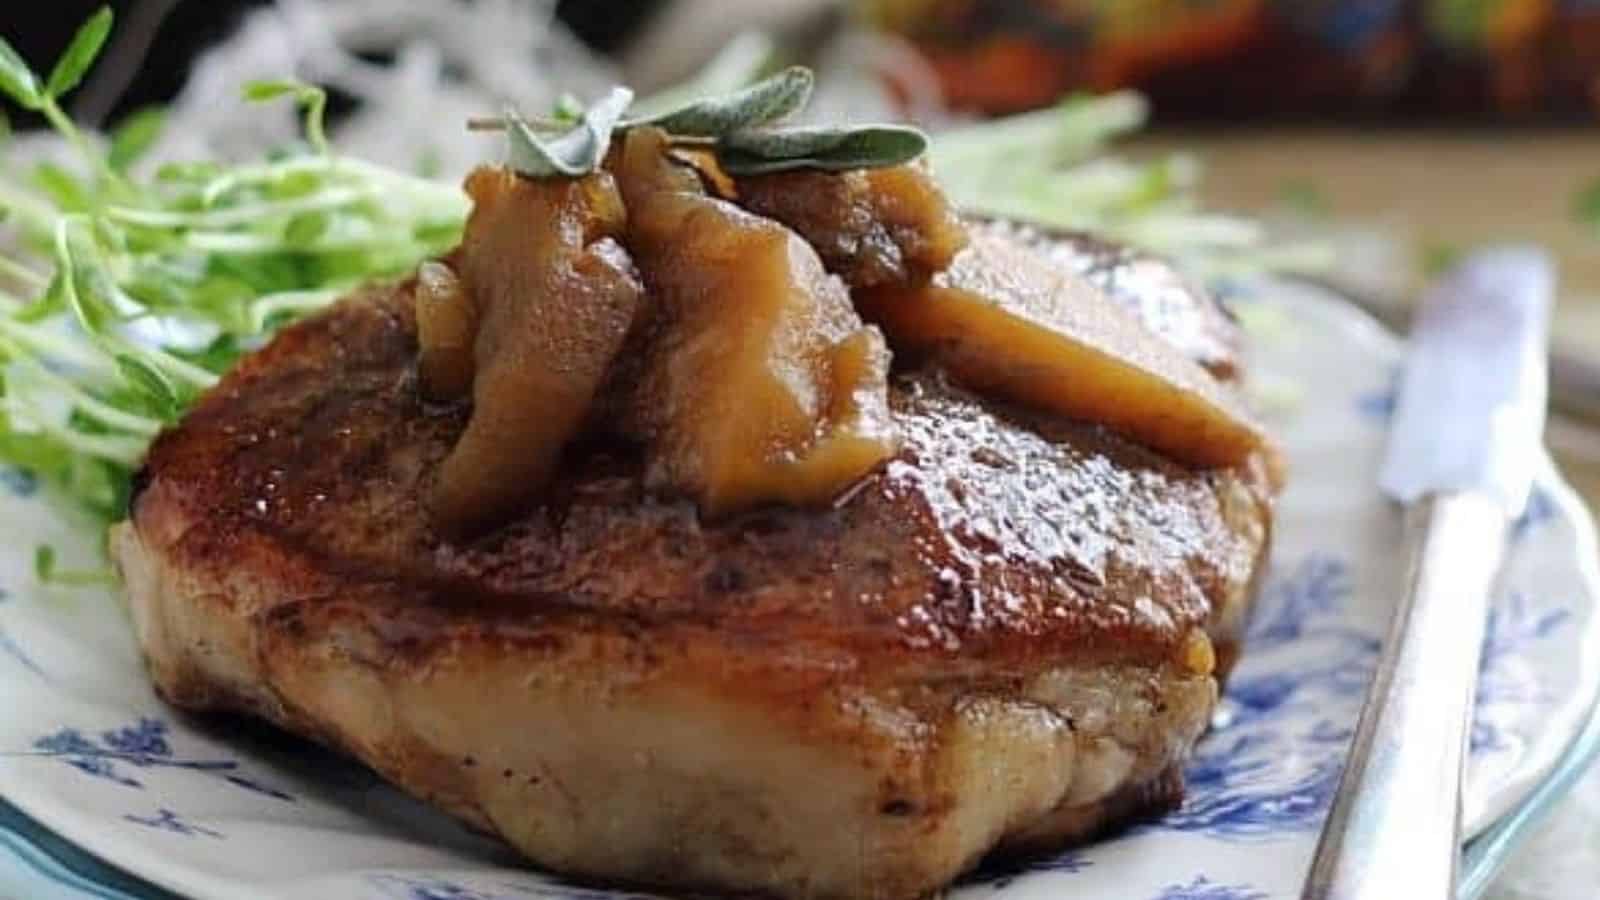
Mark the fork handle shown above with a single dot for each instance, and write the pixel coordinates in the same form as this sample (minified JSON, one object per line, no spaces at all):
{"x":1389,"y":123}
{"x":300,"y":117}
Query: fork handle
{"x":1394,"y":827}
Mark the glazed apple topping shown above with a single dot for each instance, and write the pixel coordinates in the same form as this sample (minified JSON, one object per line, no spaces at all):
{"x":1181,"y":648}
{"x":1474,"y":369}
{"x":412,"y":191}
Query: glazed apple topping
{"x":762,"y":384}
{"x":554,"y":296}
{"x":1005,"y":320}
{"x":870,"y":226}
{"x":709,"y":287}
{"x":447,"y":327}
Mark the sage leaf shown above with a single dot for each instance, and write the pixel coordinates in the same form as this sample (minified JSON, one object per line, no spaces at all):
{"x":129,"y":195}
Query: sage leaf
{"x":762,"y":103}
{"x":80,"y":54}
{"x":574,"y":152}
{"x":17,"y":81}
{"x":831,"y":149}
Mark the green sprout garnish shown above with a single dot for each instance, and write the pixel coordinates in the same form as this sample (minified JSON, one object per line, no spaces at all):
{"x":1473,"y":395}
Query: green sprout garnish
{"x":123,"y":297}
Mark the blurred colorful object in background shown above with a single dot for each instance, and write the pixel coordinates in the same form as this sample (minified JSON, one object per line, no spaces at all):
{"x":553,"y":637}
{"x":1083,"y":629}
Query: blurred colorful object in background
{"x":1257,"y":58}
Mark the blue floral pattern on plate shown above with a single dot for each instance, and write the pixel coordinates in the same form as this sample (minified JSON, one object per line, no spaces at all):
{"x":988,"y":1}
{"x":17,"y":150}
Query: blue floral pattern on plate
{"x":1513,"y":625}
{"x":424,"y":887}
{"x":167,"y":820}
{"x":141,"y":745}
{"x":1239,"y":785}
{"x":1203,"y":888}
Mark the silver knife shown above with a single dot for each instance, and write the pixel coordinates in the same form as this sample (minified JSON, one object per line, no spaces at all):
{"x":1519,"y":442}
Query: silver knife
{"x":1464,"y":444}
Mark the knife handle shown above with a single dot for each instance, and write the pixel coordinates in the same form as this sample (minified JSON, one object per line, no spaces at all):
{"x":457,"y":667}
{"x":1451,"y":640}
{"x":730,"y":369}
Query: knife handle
{"x":1393,"y":830}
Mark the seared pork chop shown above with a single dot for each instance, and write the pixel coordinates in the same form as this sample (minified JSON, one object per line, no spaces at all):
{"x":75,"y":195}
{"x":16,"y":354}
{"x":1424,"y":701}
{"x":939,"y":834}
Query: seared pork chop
{"x":1007,"y":639}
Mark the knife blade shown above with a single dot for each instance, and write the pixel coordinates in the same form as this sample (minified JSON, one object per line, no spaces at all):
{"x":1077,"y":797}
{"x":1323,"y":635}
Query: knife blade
{"x":1462,"y":451}
{"x":1471,"y":405}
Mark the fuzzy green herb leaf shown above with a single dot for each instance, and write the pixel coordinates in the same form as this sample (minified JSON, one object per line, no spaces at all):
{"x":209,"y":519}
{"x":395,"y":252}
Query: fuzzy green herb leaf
{"x":574,"y":152}
{"x":738,"y":125}
{"x":763,"y":103}
{"x":829,"y":149}
{"x":80,"y":54}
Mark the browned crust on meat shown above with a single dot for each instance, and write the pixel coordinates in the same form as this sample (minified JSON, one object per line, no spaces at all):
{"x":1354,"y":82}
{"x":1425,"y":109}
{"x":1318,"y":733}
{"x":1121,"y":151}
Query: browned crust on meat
{"x":991,"y":541}
{"x":933,"y":647}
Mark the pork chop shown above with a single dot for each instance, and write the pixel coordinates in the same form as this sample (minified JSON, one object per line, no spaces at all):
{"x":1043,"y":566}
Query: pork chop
{"x":1006,"y":640}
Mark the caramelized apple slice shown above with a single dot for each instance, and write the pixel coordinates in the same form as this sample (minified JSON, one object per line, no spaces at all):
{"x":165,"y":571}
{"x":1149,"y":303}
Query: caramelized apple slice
{"x":1167,"y":302}
{"x":761,"y":383}
{"x":870,"y":226}
{"x":555,"y":296}
{"x":447,"y":326}
{"x":1006,"y":321}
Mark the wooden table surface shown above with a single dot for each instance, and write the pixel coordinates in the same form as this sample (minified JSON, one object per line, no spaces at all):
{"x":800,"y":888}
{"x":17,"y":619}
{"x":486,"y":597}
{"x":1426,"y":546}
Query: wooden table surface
{"x":1435,"y":189}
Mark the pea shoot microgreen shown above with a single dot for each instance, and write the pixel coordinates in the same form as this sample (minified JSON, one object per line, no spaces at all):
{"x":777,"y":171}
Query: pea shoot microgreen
{"x":123,"y":296}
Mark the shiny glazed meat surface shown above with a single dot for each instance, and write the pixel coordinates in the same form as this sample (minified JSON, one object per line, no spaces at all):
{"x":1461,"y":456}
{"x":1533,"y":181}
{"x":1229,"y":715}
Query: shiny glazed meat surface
{"x":982,"y":539}
{"x":1004,"y":639}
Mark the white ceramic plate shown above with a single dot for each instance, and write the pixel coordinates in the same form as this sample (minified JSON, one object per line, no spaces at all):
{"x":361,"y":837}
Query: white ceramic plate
{"x":227,"y":810}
